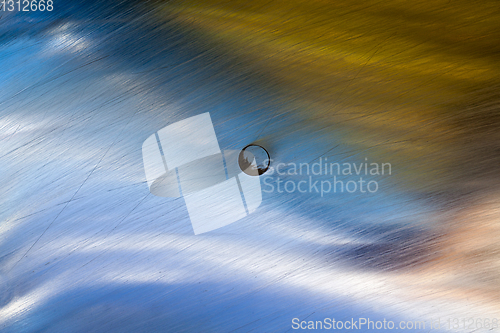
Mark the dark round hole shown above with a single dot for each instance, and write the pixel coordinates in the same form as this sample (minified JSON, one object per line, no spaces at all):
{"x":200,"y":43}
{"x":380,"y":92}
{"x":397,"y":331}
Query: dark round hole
{"x":254,"y":160}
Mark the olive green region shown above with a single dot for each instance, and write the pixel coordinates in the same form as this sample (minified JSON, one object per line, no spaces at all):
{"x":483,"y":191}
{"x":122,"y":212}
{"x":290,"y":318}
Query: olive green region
{"x":394,"y":78}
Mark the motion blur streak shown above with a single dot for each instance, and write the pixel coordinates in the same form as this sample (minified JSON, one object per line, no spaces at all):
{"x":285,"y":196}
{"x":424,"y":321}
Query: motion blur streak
{"x":85,"y":247}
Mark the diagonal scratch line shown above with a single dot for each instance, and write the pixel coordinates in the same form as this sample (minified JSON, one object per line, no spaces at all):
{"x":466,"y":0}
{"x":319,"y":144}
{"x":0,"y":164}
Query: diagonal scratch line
{"x":329,"y":150}
{"x":123,"y":219}
{"x":376,"y":48}
{"x":83,"y":183}
{"x":40,"y":83}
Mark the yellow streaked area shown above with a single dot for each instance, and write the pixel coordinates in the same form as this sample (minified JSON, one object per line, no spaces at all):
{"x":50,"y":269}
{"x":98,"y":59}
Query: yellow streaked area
{"x":389,"y":75}
{"x":326,"y":34}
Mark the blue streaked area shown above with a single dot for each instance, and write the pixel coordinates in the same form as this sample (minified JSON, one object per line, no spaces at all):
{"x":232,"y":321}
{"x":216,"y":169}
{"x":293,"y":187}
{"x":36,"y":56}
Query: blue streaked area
{"x":85,"y":247}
